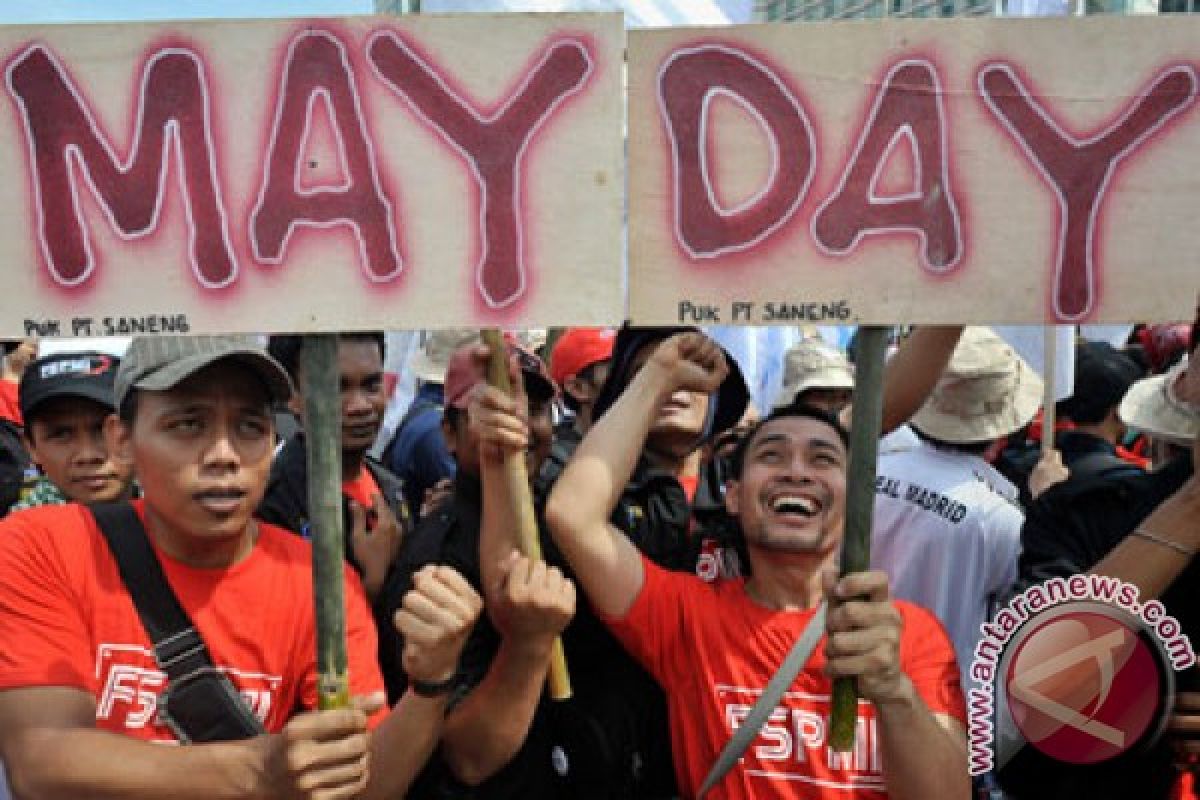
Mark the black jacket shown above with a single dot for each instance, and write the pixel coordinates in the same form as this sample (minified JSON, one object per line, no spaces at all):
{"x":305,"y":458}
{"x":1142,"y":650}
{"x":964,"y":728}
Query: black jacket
{"x":14,"y":461}
{"x":449,"y":535}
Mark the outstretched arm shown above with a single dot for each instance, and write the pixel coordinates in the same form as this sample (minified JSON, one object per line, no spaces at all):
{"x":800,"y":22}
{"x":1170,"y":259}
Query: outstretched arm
{"x":605,"y":562}
{"x":1154,"y":554}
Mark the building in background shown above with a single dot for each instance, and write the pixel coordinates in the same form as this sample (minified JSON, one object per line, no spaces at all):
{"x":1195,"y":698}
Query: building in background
{"x":638,"y":13}
{"x":811,"y":10}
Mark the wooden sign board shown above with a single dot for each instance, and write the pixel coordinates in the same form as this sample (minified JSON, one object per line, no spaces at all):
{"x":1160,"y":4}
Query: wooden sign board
{"x":321,"y":175}
{"x":969,"y":170}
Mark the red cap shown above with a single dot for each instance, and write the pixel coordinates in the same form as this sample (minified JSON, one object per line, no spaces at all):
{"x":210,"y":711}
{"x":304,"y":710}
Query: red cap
{"x":1164,"y":343}
{"x":578,"y":349}
{"x":463,"y":373}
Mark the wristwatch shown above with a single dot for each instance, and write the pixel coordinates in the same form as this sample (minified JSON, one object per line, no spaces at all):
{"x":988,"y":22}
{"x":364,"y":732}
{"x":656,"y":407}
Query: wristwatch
{"x":434,"y":688}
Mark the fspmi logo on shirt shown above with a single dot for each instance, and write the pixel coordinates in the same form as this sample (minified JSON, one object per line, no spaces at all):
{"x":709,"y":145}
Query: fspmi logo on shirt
{"x":130,"y":684}
{"x":792,"y":745}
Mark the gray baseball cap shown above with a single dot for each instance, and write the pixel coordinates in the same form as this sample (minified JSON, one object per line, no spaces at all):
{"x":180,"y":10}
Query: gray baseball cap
{"x":159,"y":363}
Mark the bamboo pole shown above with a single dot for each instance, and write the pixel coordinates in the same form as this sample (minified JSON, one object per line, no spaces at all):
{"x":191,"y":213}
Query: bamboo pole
{"x":322,"y":422}
{"x":1049,"y":365}
{"x":860,"y":502}
{"x":517,"y":480}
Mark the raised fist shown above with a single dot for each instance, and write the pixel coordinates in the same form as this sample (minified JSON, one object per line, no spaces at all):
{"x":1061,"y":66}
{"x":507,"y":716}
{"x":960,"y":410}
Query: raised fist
{"x":435,"y":619}
{"x":691,"y":362}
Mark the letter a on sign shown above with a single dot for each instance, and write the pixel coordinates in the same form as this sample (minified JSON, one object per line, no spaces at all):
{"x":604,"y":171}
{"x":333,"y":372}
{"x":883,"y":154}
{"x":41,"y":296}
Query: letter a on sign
{"x":907,"y":110}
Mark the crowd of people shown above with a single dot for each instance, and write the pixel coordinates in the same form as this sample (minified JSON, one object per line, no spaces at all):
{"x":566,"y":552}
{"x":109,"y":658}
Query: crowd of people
{"x":156,"y":583}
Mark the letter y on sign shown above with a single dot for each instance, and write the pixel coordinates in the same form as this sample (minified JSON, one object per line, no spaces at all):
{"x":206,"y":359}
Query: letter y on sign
{"x":1079,"y":170}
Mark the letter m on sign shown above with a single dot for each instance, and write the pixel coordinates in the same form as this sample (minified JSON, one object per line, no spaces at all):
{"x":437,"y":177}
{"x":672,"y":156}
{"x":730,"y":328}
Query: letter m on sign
{"x":67,"y":147}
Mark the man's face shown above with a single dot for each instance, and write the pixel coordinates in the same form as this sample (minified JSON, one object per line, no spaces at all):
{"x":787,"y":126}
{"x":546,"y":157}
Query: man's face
{"x":363,"y":396}
{"x":364,"y":401}
{"x":681,"y":420}
{"x":463,"y":442}
{"x":585,"y":386}
{"x":202,"y":452}
{"x":66,"y":439}
{"x":791,"y":495}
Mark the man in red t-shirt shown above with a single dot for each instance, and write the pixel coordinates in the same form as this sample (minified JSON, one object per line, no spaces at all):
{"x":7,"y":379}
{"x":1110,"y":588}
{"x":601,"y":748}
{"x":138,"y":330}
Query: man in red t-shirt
{"x":79,"y":685}
{"x":714,"y":647}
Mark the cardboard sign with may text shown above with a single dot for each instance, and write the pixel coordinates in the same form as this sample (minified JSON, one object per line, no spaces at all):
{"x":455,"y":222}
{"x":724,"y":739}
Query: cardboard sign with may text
{"x":916,"y":171}
{"x":321,"y":175}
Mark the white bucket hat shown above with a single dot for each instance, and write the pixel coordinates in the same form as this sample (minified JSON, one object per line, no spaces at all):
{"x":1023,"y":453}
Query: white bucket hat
{"x":429,"y":363}
{"x":813,"y":364}
{"x":1153,"y":406}
{"x":986,"y":392}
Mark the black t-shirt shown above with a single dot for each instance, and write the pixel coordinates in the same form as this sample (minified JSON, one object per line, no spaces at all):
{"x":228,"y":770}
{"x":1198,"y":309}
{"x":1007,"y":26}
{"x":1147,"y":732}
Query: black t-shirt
{"x":449,"y":535}
{"x":1069,"y":529}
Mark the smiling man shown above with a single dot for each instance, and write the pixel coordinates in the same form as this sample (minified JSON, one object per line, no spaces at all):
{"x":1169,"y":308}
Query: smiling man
{"x":81,"y":703}
{"x":714,"y":647}
{"x":65,"y":399}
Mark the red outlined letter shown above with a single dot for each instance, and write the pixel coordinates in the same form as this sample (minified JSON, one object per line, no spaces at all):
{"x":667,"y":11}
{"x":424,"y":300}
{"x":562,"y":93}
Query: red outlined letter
{"x":908,"y":107}
{"x":493,"y":144}
{"x":65,"y":142}
{"x":687,"y":82}
{"x":317,"y":68}
{"x":1079,"y":170}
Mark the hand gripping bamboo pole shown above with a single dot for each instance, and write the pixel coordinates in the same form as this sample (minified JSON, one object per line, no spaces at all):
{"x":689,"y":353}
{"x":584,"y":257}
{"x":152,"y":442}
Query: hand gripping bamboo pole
{"x":860,"y":503}
{"x":517,"y":479}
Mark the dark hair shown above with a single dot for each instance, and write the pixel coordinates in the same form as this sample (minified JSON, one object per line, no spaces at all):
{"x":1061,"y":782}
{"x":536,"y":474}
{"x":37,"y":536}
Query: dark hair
{"x":285,"y":348}
{"x":1102,"y":376}
{"x":10,"y":345}
{"x":971,"y":448}
{"x":738,"y":458}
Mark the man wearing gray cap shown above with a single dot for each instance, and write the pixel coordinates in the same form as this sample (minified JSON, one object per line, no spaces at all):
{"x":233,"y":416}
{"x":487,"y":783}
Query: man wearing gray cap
{"x":83,"y":692}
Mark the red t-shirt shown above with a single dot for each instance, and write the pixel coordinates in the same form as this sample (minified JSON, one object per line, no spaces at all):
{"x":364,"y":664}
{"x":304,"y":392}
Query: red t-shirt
{"x":10,"y":407}
{"x":714,"y":650}
{"x":67,"y":620}
{"x":690,"y":484}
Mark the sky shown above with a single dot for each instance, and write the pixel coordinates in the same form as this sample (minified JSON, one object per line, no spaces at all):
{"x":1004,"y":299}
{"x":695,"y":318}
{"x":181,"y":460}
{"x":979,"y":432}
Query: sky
{"x":638,"y":12}
{"x":41,"y":11}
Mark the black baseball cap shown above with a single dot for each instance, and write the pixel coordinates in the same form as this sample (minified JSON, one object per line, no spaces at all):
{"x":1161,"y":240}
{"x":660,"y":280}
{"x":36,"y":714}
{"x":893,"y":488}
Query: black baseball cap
{"x":89,"y":374}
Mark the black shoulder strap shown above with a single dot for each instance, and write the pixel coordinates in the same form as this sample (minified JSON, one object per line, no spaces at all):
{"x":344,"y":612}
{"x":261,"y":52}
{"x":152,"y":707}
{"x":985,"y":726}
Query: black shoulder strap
{"x":178,"y":648}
